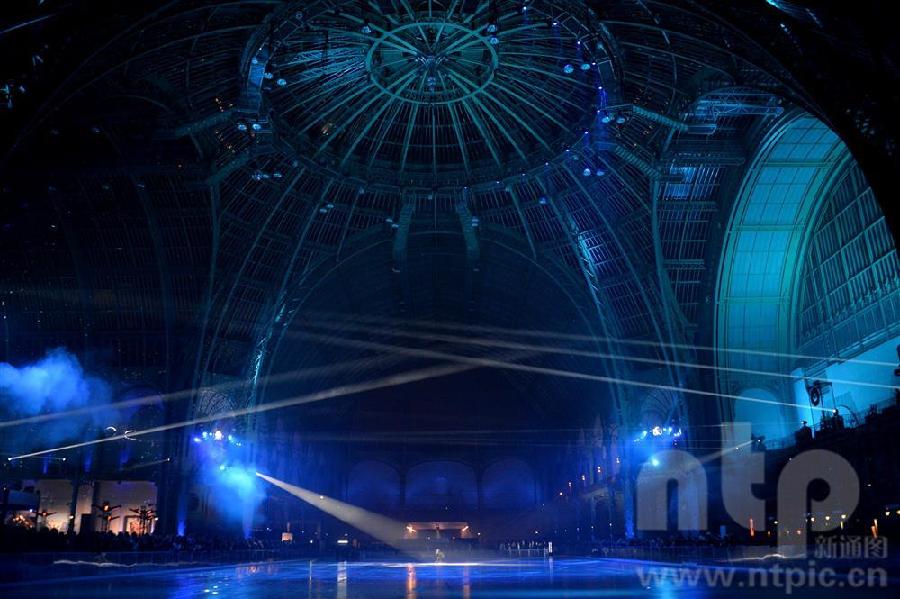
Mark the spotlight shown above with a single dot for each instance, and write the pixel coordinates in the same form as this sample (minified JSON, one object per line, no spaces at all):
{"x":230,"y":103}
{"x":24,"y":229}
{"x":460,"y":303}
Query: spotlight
{"x":492,"y":28}
{"x":366,"y":28}
{"x":568,"y":69}
{"x":585,"y":66}
{"x":586,"y":172}
{"x":494,"y":40}
{"x":654,"y":462}
{"x":281,"y":82}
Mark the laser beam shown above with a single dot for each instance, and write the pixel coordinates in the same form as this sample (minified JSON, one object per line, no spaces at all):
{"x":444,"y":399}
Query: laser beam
{"x":504,"y":344}
{"x":339,"y":391}
{"x":293,"y":375}
{"x":558,"y":372}
{"x":457,"y":327}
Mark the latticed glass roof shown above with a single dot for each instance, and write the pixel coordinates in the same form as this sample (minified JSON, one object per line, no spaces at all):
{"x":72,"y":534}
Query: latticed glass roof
{"x":767,"y":230}
{"x":434,"y":93}
{"x":181,"y":186}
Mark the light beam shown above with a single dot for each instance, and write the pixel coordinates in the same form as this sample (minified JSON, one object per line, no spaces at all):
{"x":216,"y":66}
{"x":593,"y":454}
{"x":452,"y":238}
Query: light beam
{"x":386,"y":530}
{"x":394,"y":380}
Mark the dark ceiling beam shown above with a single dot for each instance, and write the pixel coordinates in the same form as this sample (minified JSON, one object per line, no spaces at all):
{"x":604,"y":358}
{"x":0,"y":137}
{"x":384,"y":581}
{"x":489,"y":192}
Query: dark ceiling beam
{"x":194,"y":127}
{"x":526,"y":228}
{"x":167,"y":295}
{"x":473,"y":253}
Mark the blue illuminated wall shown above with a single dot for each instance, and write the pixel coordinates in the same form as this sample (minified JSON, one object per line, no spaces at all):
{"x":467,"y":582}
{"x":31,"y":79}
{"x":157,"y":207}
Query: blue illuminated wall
{"x":849,"y":302}
{"x":854,"y":401}
{"x":509,"y":484}
{"x":374,"y":485}
{"x":440,"y":484}
{"x":808,"y":267}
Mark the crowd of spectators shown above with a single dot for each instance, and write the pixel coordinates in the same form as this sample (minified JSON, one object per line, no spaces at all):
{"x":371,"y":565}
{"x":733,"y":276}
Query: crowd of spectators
{"x":703,"y":539}
{"x":524,"y":548}
{"x":19,"y":539}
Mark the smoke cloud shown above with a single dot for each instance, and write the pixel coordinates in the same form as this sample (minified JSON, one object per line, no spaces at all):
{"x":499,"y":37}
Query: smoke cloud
{"x":222,"y":466}
{"x":54,"y":383}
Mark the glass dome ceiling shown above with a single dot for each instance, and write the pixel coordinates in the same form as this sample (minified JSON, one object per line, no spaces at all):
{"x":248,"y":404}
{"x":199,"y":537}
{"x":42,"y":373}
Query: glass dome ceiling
{"x":433,"y":94}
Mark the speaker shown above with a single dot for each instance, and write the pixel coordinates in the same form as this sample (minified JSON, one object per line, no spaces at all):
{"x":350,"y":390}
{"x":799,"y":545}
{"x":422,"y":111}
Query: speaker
{"x":816,"y":392}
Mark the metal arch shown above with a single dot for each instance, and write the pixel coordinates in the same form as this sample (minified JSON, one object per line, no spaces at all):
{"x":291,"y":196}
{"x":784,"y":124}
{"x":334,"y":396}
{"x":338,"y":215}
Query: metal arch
{"x":223,"y":312}
{"x":279,"y":306}
{"x":525,"y":226}
{"x":493,"y":119}
{"x":333,"y":266}
{"x":591,"y":278}
{"x":473,"y":249}
{"x":400,"y":252}
{"x":81,"y":268}
{"x":457,"y":129}
{"x":710,"y":15}
{"x":700,"y":42}
{"x":648,"y":50}
{"x":613,"y":232}
{"x":43,"y":111}
{"x":165,"y":278}
{"x":148,"y":53}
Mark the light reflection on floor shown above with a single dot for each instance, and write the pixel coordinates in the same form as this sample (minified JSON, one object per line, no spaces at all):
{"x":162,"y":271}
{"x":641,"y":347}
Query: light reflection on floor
{"x":560,"y":578}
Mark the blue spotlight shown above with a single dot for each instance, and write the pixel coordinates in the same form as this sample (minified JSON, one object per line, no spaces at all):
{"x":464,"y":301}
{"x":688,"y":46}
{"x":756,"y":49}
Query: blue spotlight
{"x":568,"y":69}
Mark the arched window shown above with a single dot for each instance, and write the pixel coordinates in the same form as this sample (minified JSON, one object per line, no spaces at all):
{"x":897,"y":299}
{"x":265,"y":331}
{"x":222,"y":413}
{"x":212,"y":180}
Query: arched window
{"x":804,"y":215}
